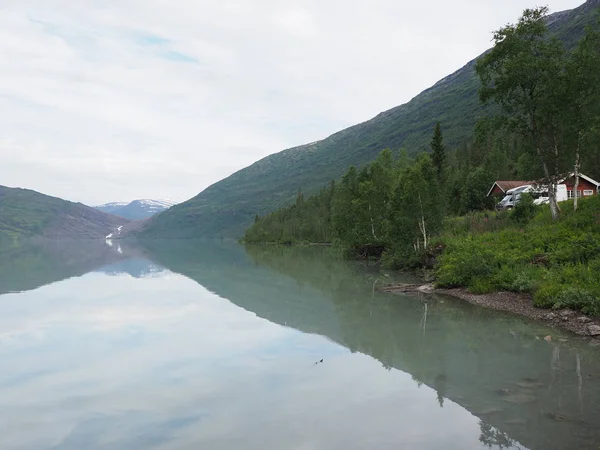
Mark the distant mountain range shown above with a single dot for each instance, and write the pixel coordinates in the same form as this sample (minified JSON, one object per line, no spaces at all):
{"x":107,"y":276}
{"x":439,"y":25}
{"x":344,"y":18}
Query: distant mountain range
{"x":226,"y":208}
{"x":137,"y":209}
{"x":25,"y":214}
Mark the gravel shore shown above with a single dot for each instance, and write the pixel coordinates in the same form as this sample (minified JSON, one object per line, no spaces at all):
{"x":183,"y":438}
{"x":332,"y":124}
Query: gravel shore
{"x":521,"y":304}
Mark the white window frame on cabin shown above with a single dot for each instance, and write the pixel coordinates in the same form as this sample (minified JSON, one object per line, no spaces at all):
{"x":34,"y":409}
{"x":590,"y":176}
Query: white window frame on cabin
{"x":570,"y":194}
{"x":588,"y":192}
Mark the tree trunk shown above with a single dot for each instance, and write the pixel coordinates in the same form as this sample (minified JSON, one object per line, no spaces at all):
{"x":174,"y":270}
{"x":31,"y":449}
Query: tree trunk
{"x":577,"y":167}
{"x":372,"y":224}
{"x":552,"y":188}
{"x":554,"y":209}
{"x":422,"y":226}
{"x":556,"y":205}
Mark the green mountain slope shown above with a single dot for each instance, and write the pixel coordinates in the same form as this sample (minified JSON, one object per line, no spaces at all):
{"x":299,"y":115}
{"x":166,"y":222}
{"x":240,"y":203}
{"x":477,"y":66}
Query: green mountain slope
{"x":226,"y":208}
{"x":25,"y":213}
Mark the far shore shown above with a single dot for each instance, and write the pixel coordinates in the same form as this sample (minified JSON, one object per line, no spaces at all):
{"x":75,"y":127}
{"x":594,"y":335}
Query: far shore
{"x":521,"y":304}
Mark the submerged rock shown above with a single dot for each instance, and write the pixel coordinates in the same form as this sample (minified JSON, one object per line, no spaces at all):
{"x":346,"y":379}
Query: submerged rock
{"x":504,"y":391}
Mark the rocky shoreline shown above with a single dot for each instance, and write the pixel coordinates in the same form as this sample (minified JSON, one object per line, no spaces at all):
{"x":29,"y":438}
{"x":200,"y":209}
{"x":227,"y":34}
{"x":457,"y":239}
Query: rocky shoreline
{"x":521,"y":304}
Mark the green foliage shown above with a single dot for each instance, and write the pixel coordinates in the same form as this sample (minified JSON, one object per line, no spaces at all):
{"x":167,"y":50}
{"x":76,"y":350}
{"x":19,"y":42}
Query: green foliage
{"x":476,"y":188}
{"x":558,"y":262}
{"x":438,"y":154}
{"x":549,"y":96}
{"x":305,"y":221}
{"x":577,"y":298}
{"x":386,"y":206}
{"x":524,"y":210}
{"x":416,"y":208}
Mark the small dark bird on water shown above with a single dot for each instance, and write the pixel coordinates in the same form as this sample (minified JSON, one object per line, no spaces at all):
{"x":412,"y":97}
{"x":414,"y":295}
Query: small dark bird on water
{"x":319,"y":362}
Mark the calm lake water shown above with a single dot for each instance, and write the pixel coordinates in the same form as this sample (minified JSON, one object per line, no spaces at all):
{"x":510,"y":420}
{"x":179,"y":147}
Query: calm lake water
{"x":213,"y":346}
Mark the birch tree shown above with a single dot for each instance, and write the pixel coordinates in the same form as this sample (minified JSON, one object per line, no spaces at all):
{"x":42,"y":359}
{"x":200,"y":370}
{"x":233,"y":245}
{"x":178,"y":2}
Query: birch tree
{"x":521,"y":74}
{"x":582,"y":81}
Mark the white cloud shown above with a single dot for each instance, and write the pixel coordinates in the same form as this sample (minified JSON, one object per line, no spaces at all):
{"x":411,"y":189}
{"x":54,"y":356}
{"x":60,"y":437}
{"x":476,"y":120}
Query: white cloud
{"x":107,"y":100}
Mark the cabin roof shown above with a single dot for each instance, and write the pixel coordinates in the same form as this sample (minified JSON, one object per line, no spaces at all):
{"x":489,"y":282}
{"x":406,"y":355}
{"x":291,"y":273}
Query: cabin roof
{"x":507,"y":185}
{"x":572,"y":174}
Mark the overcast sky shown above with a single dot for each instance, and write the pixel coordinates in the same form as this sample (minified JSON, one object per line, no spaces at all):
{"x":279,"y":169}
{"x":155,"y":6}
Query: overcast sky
{"x":113,"y":100}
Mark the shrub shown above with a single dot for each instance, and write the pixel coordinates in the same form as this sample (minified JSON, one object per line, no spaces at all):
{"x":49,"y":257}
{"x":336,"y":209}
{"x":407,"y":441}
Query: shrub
{"x":557,"y":261}
{"x":546,"y":295}
{"x":524,"y":210}
{"x":577,"y":298}
{"x":463,"y":263}
{"x":481,"y":286}
{"x":524,"y":282}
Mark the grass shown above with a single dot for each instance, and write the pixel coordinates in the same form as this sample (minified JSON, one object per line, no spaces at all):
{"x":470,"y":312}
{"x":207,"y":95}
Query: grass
{"x":558,"y":262}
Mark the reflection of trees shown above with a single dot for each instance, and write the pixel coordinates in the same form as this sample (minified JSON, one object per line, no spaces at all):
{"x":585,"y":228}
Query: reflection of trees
{"x":491,"y":437}
{"x":492,"y":363}
{"x":522,"y":388}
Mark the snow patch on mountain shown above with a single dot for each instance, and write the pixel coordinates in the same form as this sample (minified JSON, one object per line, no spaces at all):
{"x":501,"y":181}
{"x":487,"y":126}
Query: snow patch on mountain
{"x":137,"y":209}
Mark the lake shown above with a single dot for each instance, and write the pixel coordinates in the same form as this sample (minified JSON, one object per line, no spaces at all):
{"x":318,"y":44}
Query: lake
{"x":202,"y":345}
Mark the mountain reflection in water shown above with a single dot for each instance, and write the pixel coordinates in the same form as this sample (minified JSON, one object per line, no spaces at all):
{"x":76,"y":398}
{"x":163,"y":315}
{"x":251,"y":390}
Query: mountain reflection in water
{"x":522,"y":391}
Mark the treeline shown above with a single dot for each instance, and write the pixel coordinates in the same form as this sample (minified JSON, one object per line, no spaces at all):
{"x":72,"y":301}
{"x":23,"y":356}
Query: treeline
{"x":548,"y":124}
{"x":396,"y":203}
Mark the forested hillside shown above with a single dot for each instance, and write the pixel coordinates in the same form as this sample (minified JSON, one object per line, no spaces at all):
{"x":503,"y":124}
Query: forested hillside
{"x":229,"y":206}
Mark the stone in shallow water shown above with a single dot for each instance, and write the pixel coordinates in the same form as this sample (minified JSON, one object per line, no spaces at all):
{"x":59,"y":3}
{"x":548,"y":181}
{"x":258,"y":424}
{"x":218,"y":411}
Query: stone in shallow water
{"x":567,"y":313}
{"x":593,"y":330}
{"x":505,"y":391}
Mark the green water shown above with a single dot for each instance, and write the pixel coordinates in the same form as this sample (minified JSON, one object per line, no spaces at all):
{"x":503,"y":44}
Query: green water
{"x":191,"y":345}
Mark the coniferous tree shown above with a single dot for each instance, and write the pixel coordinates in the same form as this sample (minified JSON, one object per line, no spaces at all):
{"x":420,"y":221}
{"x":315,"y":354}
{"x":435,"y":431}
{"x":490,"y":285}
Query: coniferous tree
{"x":438,"y":156}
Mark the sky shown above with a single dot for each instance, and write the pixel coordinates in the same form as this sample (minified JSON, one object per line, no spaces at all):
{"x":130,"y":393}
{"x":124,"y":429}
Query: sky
{"x":115,"y":100}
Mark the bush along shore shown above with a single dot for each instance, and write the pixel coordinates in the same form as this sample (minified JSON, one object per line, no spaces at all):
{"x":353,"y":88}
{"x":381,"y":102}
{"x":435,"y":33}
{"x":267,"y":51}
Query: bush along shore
{"x":433,"y":211}
{"x":523,"y":262}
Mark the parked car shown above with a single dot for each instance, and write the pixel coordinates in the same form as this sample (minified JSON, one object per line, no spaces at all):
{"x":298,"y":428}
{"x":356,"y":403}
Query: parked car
{"x":539,"y":194}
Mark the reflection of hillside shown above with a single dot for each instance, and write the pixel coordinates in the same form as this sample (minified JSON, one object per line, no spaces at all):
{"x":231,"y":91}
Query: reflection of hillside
{"x":540,"y":394}
{"x":32,"y":265}
{"x":226,"y":270}
{"x":135,"y":267}
{"x":522,"y":388}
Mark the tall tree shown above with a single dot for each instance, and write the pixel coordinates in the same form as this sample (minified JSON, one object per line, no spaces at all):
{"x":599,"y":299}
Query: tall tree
{"x":438,"y":156}
{"x":582,"y":82}
{"x":416,"y":206}
{"x":522,"y":74}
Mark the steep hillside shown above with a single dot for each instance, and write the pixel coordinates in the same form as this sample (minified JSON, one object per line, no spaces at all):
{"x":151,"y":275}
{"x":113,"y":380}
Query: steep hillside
{"x":227,"y":207}
{"x":137,"y":209}
{"x":25,"y":213}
